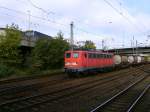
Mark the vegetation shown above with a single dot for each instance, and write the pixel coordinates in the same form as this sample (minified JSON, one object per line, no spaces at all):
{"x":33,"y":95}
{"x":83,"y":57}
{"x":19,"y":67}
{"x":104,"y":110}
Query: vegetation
{"x":5,"y":70}
{"x":9,"y":43}
{"x":49,"y":53}
{"x":46,"y":57}
{"x":9,"y":52}
{"x":88,"y":45}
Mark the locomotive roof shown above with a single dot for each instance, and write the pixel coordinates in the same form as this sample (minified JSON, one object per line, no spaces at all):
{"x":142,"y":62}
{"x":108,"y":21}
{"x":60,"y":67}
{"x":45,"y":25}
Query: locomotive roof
{"x":92,"y":51}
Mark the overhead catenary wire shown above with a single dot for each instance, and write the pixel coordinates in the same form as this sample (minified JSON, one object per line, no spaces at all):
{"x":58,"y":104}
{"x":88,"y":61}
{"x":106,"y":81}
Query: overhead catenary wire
{"x":52,"y":21}
{"x":144,"y":33}
{"x":74,"y":19}
{"x":36,"y":17}
{"x":82,"y":30}
{"x":139,"y":21}
{"x":54,"y":13}
{"x":43,"y":10}
{"x":125,"y":17}
{"x":61,"y":23}
{"x":45,"y":19}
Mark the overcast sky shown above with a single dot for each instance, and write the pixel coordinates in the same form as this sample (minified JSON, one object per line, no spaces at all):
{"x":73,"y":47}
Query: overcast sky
{"x":115,"y":21}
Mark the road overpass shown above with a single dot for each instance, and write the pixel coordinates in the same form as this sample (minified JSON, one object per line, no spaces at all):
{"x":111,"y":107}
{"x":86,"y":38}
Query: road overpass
{"x":138,"y":50}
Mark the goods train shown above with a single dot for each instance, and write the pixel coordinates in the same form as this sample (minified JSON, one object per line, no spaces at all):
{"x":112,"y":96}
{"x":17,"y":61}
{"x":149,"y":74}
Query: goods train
{"x":80,"y":61}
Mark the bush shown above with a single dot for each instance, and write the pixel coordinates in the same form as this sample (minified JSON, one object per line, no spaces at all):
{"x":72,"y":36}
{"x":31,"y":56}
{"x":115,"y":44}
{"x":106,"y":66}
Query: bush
{"x":49,"y":53}
{"x":10,"y":53}
{"x":5,"y":71}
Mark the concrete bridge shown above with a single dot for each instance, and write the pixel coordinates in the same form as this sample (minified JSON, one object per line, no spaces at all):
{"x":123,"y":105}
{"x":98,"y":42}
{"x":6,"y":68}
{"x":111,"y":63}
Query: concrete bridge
{"x":28,"y":38}
{"x":138,"y":50}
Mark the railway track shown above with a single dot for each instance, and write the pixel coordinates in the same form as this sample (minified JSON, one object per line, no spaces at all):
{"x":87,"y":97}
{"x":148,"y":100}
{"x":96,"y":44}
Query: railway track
{"x":143,"y":102}
{"x":9,"y":92}
{"x":37,"y":99}
{"x":125,"y":100}
{"x":75,"y":100}
{"x":29,"y":86}
{"x":56,"y":92}
{"x":27,"y":83}
{"x":32,"y":83}
{"x":20,"y":79}
{"x":138,"y":99}
{"x":17,"y":83}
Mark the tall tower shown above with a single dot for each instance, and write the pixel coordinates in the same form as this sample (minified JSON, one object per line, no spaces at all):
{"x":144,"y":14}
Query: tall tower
{"x":71,"y":35}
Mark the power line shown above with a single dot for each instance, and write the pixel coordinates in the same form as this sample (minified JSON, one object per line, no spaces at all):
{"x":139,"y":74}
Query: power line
{"x":120,"y":13}
{"x":52,"y":12}
{"x":82,"y":30}
{"x":141,"y":22}
{"x":35,"y":24}
{"x":55,"y":14}
{"x":44,"y":19}
{"x":37,"y":17}
{"x":23,"y":13}
{"x":16,"y":18}
{"x":130,"y":14}
{"x":43,"y":10}
{"x":79,"y":21}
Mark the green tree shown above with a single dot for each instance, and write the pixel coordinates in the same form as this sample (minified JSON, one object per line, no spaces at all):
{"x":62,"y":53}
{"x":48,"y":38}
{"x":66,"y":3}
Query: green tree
{"x":9,"y":43}
{"x":88,"y":45}
{"x":49,"y":53}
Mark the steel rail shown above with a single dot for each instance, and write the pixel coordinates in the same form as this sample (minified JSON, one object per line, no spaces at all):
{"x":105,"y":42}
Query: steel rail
{"x":138,"y":99}
{"x":118,"y":94}
{"x":117,"y":76}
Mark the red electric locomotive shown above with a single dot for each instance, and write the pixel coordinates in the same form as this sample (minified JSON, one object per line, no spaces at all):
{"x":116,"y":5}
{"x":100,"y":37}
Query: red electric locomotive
{"x":86,"y":61}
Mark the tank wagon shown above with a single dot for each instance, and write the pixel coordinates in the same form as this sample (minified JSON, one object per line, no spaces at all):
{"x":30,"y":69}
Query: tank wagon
{"x":147,"y":59}
{"x":86,"y":61}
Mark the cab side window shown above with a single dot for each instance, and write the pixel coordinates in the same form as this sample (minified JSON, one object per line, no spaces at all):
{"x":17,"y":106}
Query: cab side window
{"x":85,"y":55}
{"x":94,"y":55}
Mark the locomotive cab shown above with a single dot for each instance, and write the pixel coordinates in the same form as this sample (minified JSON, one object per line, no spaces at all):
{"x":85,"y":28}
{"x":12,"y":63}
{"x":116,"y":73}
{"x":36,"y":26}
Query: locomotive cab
{"x":74,"y":61}
{"x":71,"y":58}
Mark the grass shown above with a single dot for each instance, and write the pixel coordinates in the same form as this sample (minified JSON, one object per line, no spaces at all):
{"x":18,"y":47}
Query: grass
{"x":24,"y":72}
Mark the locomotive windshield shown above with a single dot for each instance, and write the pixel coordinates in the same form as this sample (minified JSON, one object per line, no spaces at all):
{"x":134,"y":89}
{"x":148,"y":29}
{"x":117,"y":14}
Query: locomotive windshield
{"x":75,"y":55}
{"x":68,"y":55}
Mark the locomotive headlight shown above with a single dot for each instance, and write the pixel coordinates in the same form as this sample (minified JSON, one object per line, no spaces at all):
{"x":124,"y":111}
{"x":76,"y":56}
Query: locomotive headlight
{"x":67,"y":63}
{"x":74,"y":63}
